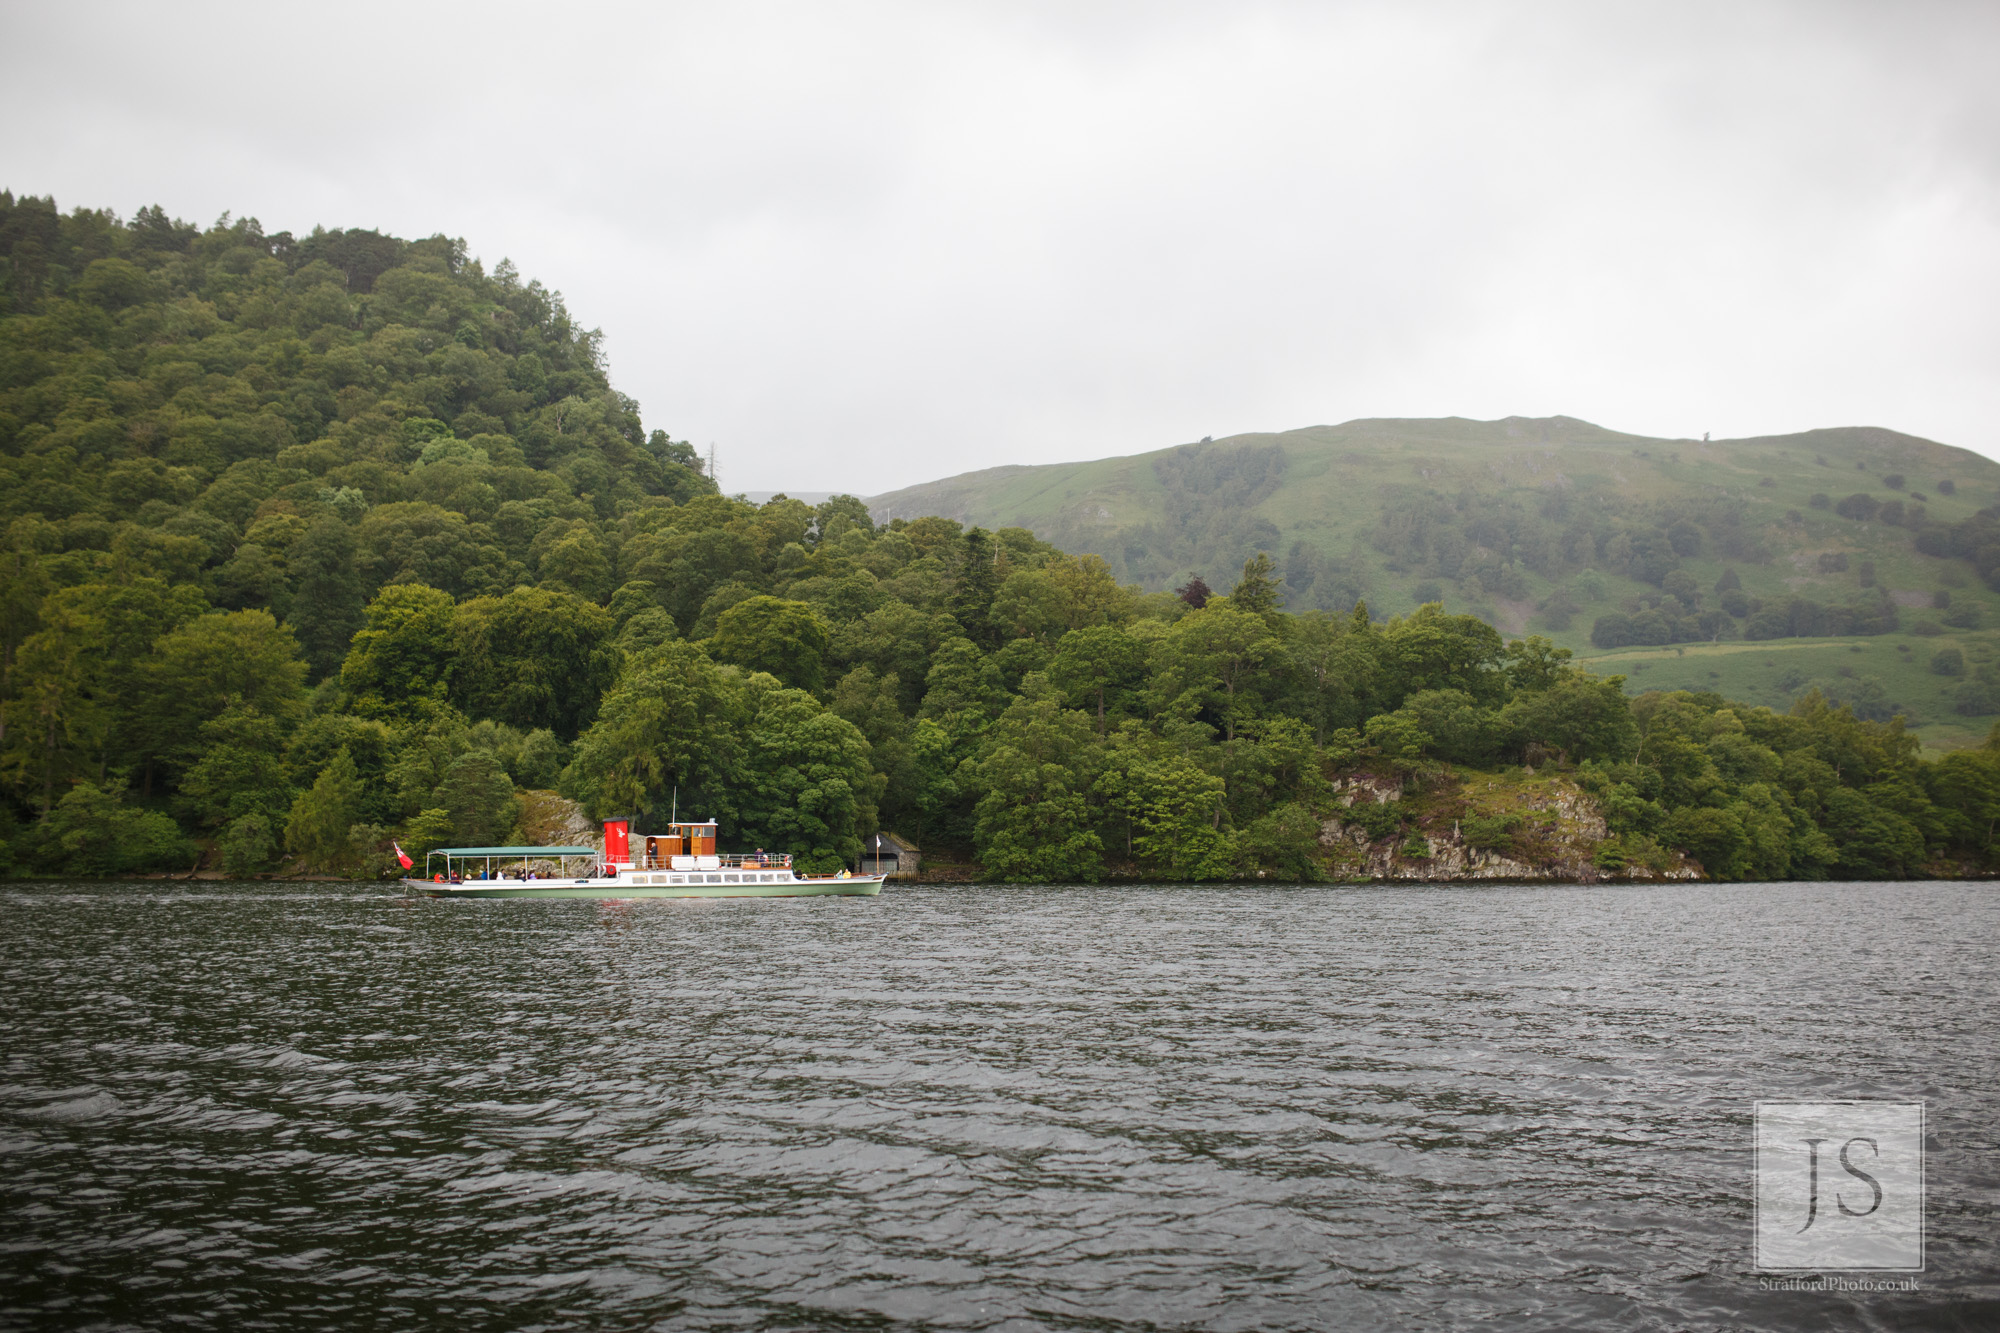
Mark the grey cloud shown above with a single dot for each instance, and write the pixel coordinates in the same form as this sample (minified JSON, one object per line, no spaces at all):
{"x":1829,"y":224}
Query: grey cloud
{"x":857,"y":246}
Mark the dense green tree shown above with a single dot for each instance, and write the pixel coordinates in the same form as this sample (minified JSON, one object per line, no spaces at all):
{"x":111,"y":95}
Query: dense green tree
{"x":1257,"y":591}
{"x":1429,"y":650}
{"x":540,"y":761}
{"x":327,"y":596}
{"x":1535,"y":664}
{"x":1033,"y":825}
{"x":1172,"y":811}
{"x":24,"y":582}
{"x":839,"y":515}
{"x":977,"y":584}
{"x":897,"y":640}
{"x":1875,"y":842}
{"x":670,"y":723}
{"x":429,"y":830}
{"x":646,"y":629}
{"x":422,"y":543}
{"x":1460,"y":731}
{"x":59,"y":718}
{"x":424,"y":752}
{"x":240,"y":771}
{"x":1399,"y":735}
{"x":479,"y":797}
{"x":1966,"y":787}
{"x":1283,"y":844}
{"x":803,"y":782}
{"x":840,"y":599}
{"x":406,"y":652}
{"x":253,"y":577}
{"x":535,"y":657}
{"x":1030,"y":604}
{"x":870,"y":703}
{"x":1033,"y":819}
{"x":218,"y":662}
{"x":940,"y":802}
{"x":91,"y":831}
{"x":84,"y":697}
{"x":1213,"y":660}
{"x":369,"y":742}
{"x":963,"y":689}
{"x":1089,"y":592}
{"x":783,"y":638}
{"x":577,"y":564}
{"x":1331,"y":664}
{"x":248,"y":846}
{"x":1578,"y":716}
{"x":1100,"y":665}
{"x":1280,"y":762}
{"x":320,"y":820}
{"x":633,"y":597}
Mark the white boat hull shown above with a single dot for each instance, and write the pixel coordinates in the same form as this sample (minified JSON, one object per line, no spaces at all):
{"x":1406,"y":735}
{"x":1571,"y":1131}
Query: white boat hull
{"x":661,"y":884}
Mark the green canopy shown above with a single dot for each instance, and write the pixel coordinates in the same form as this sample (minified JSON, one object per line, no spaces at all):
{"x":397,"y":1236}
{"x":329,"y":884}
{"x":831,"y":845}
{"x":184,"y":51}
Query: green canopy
{"x":512,"y":851}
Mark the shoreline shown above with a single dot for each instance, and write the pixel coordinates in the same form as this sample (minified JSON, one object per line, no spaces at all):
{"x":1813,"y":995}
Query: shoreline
{"x":970,"y":877}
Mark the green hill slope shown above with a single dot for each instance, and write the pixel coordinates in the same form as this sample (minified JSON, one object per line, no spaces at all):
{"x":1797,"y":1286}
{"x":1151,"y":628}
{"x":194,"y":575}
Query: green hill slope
{"x":1560,"y":527}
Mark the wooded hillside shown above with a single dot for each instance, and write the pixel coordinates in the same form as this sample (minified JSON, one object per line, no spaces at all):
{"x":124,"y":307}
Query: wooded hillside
{"x":315,"y":544}
{"x":1839,"y":560}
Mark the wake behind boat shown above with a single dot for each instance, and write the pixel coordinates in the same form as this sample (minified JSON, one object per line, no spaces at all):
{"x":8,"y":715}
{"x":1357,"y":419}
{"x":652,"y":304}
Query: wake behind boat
{"x":680,"y":863}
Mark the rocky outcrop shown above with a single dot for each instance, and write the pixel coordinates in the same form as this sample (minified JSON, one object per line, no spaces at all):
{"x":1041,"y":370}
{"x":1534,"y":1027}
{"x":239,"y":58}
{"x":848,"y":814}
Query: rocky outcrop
{"x":1553,"y":831}
{"x":550,"y":820}
{"x":1376,"y":788}
{"x":1449,"y":860}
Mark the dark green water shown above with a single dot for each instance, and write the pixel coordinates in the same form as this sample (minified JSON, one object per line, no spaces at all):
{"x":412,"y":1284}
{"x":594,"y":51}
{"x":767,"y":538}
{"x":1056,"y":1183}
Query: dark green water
{"x":247,"y":1106}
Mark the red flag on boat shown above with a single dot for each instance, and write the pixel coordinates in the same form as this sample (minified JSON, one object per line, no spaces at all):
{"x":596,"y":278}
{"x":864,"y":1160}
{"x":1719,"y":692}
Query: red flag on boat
{"x":401,"y":855}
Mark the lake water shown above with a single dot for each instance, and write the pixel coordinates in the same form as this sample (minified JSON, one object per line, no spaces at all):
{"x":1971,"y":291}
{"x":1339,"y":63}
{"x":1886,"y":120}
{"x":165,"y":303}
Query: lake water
{"x":255,"y":1106}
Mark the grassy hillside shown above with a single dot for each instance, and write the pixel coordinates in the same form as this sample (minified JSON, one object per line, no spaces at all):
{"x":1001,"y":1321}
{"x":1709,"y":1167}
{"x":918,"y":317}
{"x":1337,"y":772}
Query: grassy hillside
{"x":1559,"y":527}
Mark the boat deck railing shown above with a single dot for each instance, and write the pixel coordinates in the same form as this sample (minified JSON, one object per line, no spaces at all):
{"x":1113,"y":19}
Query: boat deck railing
{"x":744,"y":861}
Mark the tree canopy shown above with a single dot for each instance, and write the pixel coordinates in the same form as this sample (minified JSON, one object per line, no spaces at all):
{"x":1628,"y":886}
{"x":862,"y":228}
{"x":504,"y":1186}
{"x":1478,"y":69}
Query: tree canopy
{"x":315,"y":543}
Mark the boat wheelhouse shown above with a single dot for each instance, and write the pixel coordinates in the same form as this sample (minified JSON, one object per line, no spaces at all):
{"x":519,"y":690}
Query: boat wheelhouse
{"x":679,"y":862}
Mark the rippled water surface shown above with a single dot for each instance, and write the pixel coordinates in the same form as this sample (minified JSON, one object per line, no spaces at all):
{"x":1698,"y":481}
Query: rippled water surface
{"x":253,"y":1106}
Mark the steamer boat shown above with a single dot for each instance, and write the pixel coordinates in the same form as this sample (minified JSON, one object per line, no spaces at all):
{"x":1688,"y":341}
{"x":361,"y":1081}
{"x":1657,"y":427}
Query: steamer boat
{"x":679,"y":863}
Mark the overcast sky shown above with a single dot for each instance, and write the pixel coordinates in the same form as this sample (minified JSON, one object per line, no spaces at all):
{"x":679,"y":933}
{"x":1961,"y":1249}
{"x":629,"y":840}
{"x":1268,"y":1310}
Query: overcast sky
{"x":859,"y":246}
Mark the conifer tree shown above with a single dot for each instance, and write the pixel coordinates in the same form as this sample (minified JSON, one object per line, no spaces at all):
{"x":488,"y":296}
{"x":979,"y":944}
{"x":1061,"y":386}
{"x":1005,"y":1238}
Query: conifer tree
{"x":1257,"y":591}
{"x":318,"y":827}
{"x":972,"y":602}
{"x":327,"y":597}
